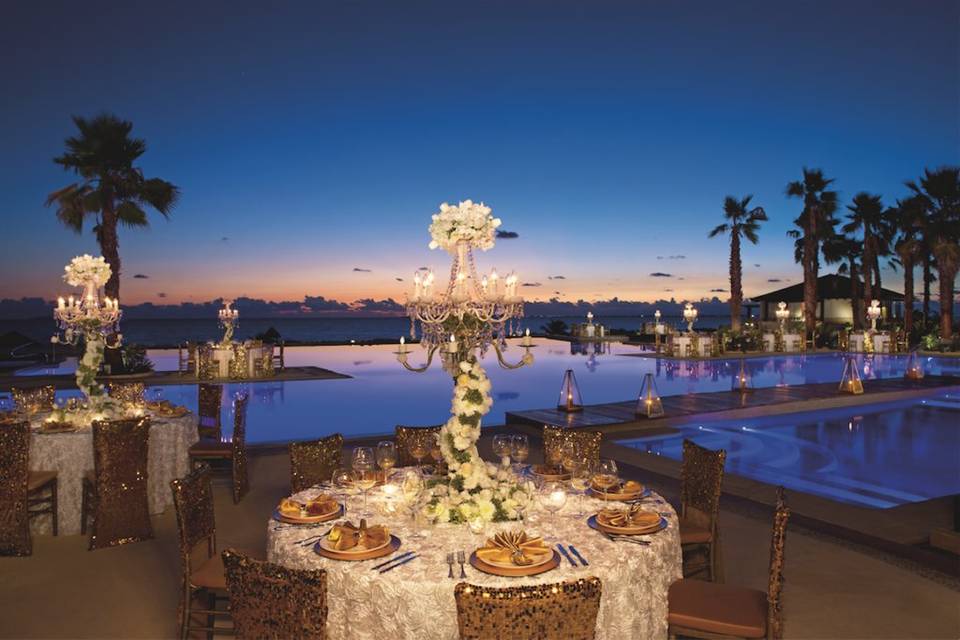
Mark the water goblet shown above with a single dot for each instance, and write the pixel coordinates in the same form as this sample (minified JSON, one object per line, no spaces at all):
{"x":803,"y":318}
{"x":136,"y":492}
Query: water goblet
{"x":501,"y":447}
{"x":412,"y":487}
{"x":568,"y":456}
{"x":342,"y":480}
{"x":386,"y":456}
{"x":606,"y":475}
{"x":579,"y":481}
{"x":519,"y":449}
{"x":552,"y":497}
{"x":418,"y":447}
{"x":364,"y":476}
{"x":436,"y":453}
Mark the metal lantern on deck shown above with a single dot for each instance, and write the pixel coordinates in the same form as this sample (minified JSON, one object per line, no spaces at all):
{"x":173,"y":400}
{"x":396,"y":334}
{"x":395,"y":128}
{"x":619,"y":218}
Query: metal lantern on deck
{"x":850,"y":381}
{"x":649,"y":403}
{"x":914,"y":370}
{"x":742,"y":381}
{"x":569,"y":400}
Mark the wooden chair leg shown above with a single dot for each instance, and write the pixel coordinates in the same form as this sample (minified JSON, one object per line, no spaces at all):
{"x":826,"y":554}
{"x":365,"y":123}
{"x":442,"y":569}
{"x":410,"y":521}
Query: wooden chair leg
{"x":83,"y":510}
{"x":54,"y":507}
{"x":211,"y":619}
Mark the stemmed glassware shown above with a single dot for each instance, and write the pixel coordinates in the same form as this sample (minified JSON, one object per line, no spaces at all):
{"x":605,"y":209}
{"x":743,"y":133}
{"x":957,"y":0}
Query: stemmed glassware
{"x":364,"y":476}
{"x":552,"y":497}
{"x":436,"y":454}
{"x":606,"y":475}
{"x":412,"y":487}
{"x":579,"y":481}
{"x":519,"y":449}
{"x":419,"y":447}
{"x":501,"y":448}
{"x":569,"y":456}
{"x":342,"y":480}
{"x":386,"y":457}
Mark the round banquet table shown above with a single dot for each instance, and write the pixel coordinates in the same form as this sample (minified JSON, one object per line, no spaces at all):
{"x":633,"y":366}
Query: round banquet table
{"x":416,"y":600}
{"x":71,"y":455}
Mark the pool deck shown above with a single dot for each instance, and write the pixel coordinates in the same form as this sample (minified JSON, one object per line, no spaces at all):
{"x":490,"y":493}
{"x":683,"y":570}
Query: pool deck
{"x":620,"y":417}
{"x":160,"y":378}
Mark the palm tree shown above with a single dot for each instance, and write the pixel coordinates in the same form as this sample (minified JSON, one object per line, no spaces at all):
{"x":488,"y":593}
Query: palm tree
{"x":745,"y":223}
{"x":940,"y":193}
{"x":848,"y":252}
{"x":111,"y":189}
{"x":816,"y":222}
{"x":908,"y":246}
{"x":869,"y":217}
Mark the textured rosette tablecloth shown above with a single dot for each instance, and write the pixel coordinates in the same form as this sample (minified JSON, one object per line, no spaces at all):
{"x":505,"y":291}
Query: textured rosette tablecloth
{"x":416,"y":600}
{"x":71,"y":455}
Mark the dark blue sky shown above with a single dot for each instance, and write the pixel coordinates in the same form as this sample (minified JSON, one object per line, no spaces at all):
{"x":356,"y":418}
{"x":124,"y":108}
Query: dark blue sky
{"x":313,"y":138}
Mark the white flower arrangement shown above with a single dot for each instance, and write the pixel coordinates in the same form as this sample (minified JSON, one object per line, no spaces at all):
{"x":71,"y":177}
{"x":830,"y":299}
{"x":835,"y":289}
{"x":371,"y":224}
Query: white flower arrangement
{"x":475,"y":488}
{"x":468,"y":222}
{"x":86,"y":270}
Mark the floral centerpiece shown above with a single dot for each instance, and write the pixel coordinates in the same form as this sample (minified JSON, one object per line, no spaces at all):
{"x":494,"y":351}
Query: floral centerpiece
{"x":468,"y":223}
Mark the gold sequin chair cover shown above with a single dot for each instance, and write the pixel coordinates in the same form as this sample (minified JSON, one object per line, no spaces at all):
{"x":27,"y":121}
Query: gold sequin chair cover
{"x":775,"y":585}
{"x":207,"y":367}
{"x":586,"y":442}
{"x":314,"y":462}
{"x":277,"y":356}
{"x":701,"y":480}
{"x":241,"y":481}
{"x":209,"y":398}
{"x":186,"y":358}
{"x":560,"y":611}
{"x":117,"y":497}
{"x":196,"y":525}
{"x":128,"y":392}
{"x":270,"y":601}
{"x":238,"y":363}
{"x":14,"y":515}
{"x":30,"y":401}
{"x":404,"y":435}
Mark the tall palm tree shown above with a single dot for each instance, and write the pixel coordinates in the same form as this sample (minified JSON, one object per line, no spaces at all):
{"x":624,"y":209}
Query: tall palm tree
{"x":848,"y":252}
{"x":908,"y":246}
{"x":745,"y":223}
{"x":816,"y":222}
{"x":111,"y":189}
{"x":940,"y":193}
{"x":868,"y":217}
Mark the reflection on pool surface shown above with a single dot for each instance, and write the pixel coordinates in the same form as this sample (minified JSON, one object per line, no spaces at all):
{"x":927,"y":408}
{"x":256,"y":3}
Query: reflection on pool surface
{"x":382,"y":394}
{"x":878,"y":455}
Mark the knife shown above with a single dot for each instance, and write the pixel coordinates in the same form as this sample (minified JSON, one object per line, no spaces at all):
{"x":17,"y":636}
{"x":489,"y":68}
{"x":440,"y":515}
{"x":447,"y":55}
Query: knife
{"x":574,"y":551}
{"x":566,"y":555}
{"x":393,"y":559}
{"x":394,"y":566}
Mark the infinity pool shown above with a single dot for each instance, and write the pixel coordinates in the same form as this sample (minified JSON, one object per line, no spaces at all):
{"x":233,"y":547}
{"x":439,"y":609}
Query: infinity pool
{"x":878,"y":456}
{"x":382,"y":394}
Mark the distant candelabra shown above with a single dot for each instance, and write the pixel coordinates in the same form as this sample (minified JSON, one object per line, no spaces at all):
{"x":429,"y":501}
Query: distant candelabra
{"x":874,"y":312}
{"x":690,"y":315}
{"x":782,"y":314}
{"x":229,"y":318}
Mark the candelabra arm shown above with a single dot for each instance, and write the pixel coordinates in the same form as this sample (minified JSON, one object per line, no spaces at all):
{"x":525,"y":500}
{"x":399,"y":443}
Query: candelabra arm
{"x":527,"y":358}
{"x":402,"y":359}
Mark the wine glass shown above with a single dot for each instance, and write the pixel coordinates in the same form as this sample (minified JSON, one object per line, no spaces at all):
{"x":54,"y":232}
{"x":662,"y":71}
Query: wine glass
{"x":411,"y":487}
{"x":552,"y":497}
{"x":551,"y":458}
{"x":568,"y":456}
{"x":342,"y":480}
{"x":519,"y":449}
{"x":364,"y":477}
{"x":386,"y":456}
{"x":418,"y":447}
{"x":436,"y":454}
{"x":501,"y":447}
{"x":606,"y":475}
{"x":579,"y":481}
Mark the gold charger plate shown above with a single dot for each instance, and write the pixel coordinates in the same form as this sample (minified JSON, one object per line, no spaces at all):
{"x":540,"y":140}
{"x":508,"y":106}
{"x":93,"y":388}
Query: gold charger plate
{"x":513,"y":572}
{"x":627,"y":531}
{"x":369,"y":554}
{"x":333,"y":515}
{"x":548,"y":473}
{"x":622,"y":497}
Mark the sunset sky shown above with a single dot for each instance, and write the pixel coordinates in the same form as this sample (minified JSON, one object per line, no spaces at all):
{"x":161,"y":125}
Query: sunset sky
{"x":312,"y":141}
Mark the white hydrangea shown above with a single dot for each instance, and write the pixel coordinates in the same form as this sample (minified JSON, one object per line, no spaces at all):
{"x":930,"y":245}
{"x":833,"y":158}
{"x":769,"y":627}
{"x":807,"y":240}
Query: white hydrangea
{"x":86,"y":270}
{"x":468,"y":222}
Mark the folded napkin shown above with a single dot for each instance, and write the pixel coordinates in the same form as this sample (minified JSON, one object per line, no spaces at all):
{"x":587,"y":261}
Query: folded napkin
{"x":321,"y":505}
{"x":632,"y":517}
{"x":514,"y":547}
{"x":347,"y":536}
{"x":630,"y":486}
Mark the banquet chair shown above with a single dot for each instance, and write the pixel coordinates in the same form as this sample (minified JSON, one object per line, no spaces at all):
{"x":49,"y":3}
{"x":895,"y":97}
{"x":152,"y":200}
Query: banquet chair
{"x":21,"y":489}
{"x":559,"y":611}
{"x":404,"y":435}
{"x":209,"y":401}
{"x":701,"y":477}
{"x":115,"y":492}
{"x":699,"y":609}
{"x":278,"y":363}
{"x":186,"y":358}
{"x":207,"y":367}
{"x":31,"y":401}
{"x":271,"y":601}
{"x":203,"y":575}
{"x":127,"y":392}
{"x":903,"y":341}
{"x":233,"y":451}
{"x":263,"y":364}
{"x":587,"y":443}
{"x":239,"y":369}
{"x":314,"y":462}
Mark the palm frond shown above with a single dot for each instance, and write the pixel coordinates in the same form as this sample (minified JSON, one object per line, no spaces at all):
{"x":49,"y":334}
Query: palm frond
{"x":717,"y":230}
{"x":131,"y":215}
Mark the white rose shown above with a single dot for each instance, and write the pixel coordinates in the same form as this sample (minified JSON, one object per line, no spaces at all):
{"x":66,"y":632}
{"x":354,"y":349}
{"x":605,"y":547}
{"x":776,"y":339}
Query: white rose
{"x":486,"y":510}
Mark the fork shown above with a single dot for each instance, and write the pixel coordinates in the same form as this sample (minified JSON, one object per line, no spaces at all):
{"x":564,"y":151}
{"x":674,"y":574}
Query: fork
{"x":462,"y":558}
{"x":450,"y":564}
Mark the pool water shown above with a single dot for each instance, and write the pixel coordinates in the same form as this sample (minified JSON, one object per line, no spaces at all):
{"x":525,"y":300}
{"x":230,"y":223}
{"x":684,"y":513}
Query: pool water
{"x":878,"y":456}
{"x":381,"y":394}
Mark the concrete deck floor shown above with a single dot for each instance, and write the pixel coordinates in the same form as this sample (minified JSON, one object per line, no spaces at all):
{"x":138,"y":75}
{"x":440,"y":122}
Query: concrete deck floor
{"x":832,"y":589}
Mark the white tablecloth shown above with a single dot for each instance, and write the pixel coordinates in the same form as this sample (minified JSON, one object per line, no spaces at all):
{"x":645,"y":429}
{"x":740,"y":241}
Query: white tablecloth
{"x":770,"y":342}
{"x":224,"y":355}
{"x":881,"y":342}
{"x":416,"y":600}
{"x":681,"y":343}
{"x":855,"y":342}
{"x":791,"y":342}
{"x":71,"y":455}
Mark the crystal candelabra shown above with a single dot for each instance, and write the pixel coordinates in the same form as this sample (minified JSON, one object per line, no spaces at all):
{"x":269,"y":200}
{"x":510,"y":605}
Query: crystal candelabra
{"x":874,"y":312}
{"x":228,"y":321}
{"x":782,"y":313}
{"x":85,"y":316}
{"x":469,"y":316}
{"x":690,"y":315}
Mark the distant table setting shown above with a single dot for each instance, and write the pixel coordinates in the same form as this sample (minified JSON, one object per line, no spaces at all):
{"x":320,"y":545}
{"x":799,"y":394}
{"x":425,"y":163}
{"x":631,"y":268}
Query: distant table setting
{"x":392,"y":575}
{"x":702,"y":348}
{"x":224,"y":354}
{"x":67,"y":448}
{"x":791,"y":342}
